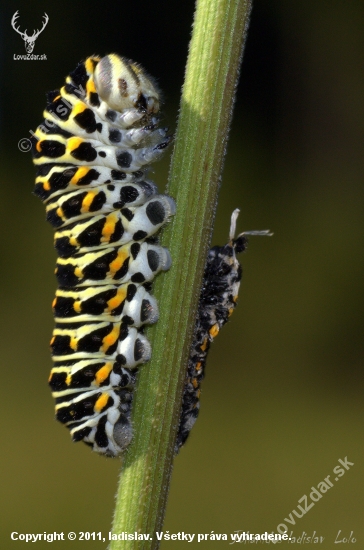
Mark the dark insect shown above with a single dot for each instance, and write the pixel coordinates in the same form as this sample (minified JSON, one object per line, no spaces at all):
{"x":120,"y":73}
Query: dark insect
{"x":218,"y":298}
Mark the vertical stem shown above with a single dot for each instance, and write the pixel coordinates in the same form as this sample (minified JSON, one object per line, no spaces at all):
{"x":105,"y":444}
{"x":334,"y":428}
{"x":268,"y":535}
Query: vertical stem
{"x":219,"y":32}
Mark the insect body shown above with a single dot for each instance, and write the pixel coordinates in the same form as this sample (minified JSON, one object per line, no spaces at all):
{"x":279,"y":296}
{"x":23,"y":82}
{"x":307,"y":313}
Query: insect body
{"x":99,"y":135}
{"x":218,"y":298}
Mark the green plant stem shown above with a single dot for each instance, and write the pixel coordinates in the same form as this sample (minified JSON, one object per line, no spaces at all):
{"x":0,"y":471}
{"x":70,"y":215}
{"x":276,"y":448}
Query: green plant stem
{"x":216,"y":47}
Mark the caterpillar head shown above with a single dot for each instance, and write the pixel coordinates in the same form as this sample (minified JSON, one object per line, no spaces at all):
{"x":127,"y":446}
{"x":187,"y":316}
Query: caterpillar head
{"x":123,"y":84}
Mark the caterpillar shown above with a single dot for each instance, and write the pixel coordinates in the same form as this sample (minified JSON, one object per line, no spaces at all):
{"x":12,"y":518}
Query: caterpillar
{"x":217,"y":301}
{"x":92,"y":154}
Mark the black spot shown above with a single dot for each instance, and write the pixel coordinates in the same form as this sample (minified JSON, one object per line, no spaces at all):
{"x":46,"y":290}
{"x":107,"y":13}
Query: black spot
{"x":60,"y":109}
{"x":137,"y":278}
{"x":128,"y":194}
{"x":97,"y":270}
{"x":131,"y":292}
{"x":115,"y":136}
{"x":153,"y":260}
{"x":141,"y":102}
{"x":138,"y":350}
{"x":79,"y":76}
{"x":61,"y":345}
{"x":66,"y":276}
{"x":72,"y":206}
{"x":86,"y":120}
{"x":118,"y":232}
{"x":81,"y":434}
{"x":94,"y":99}
{"x":52,"y":149}
{"x":240,"y":244}
{"x":102,"y":154}
{"x":124,"y":159}
{"x":92,"y":341}
{"x":111,"y":115}
{"x":124,"y":332}
{"x":119,"y":362}
{"x":97,"y":202}
{"x":155,"y":212}
{"x":92,"y":175}
{"x":101,"y":438}
{"x":111,"y":187}
{"x":64,"y":248}
{"x":99,"y":127}
{"x":128,"y":214}
{"x":139,"y":235}
{"x":53,"y":218}
{"x":57,"y":381}
{"x":85,"y":151}
{"x":145,"y":310}
{"x":91,"y":235}
{"x":162,"y":145}
{"x":134,"y":250}
{"x":128,"y":320}
{"x":122,"y":271}
{"x":117,"y":175}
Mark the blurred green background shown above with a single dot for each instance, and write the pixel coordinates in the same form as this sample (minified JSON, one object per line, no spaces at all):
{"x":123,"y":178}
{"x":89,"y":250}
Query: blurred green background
{"x":283,"y":396}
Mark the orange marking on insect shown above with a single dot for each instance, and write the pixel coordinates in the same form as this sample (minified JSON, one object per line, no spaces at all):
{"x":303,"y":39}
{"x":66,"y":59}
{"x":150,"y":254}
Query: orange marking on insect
{"x":115,"y":302}
{"x":101,"y":402}
{"x":68,"y":379}
{"x":57,"y":98}
{"x":77,"y":306}
{"x":116,"y":264}
{"x":198,"y":366}
{"x":90,"y":87}
{"x":231,"y":310}
{"x":54,"y":302}
{"x":78,"y":273}
{"x":87,"y":201}
{"x":195,"y":383}
{"x":73,"y":343}
{"x":46,"y":185}
{"x":59,"y":212}
{"x":204,"y":344}
{"x":214,"y":330}
{"x":109,"y":226}
{"x":81,"y":172}
{"x":89,"y":65}
{"x":73,"y":143}
{"x":110,"y":339}
{"x":103,"y":373}
{"x":39,"y":146}
{"x":78,"y":108}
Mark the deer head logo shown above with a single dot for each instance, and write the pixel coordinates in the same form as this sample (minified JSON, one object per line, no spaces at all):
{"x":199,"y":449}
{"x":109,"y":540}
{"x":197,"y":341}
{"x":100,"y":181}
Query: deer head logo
{"x":29,"y":40}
